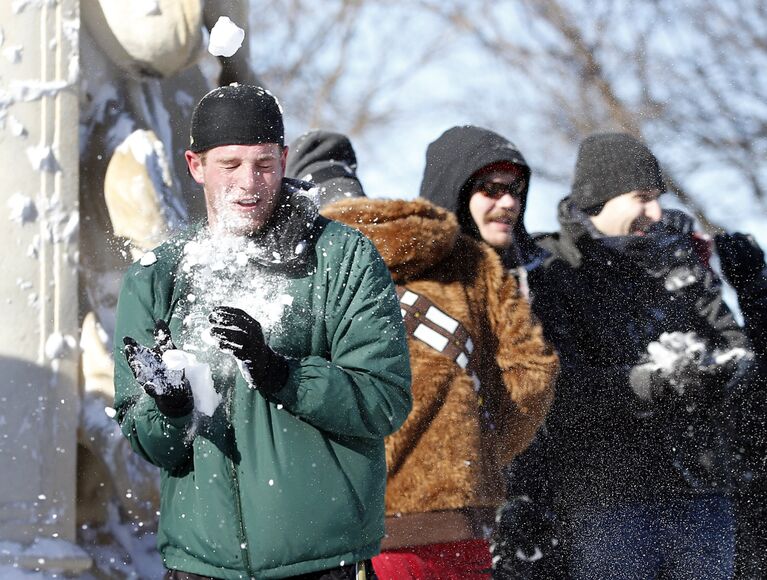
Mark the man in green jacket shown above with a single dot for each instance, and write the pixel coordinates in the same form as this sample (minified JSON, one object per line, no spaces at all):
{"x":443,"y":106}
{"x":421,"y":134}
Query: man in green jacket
{"x":265,"y":361}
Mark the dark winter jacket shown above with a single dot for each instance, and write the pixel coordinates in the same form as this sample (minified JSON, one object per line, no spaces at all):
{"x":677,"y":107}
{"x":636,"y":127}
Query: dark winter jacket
{"x":280,"y":485}
{"x":743,"y":265}
{"x":602,"y":301}
{"x":467,"y":422}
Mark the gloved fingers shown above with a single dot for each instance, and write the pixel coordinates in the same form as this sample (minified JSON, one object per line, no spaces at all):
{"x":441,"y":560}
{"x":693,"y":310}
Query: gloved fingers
{"x":233,"y":339}
{"x":162,"y":337}
{"x":678,"y":220}
{"x":128,"y":341}
{"x":151,"y":389}
{"x":230,"y":316}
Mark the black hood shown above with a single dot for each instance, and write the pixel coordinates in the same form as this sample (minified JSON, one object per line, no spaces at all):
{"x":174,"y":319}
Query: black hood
{"x":451,"y":161}
{"x":328,"y":160}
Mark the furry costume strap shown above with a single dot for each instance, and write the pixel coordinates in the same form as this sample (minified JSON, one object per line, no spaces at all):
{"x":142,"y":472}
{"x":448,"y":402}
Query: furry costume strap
{"x":424,"y":321}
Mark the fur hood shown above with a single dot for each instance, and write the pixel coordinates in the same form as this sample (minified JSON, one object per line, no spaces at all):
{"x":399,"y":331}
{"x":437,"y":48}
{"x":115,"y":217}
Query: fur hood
{"x":411,"y":236}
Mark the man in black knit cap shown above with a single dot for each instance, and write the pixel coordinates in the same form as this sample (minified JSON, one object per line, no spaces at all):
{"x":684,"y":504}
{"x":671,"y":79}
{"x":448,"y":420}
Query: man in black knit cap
{"x":264,"y":362}
{"x":649,"y":355}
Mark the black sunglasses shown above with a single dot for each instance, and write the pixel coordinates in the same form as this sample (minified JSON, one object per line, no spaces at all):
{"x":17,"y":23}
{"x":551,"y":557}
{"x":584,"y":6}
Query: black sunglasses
{"x":495,"y":190}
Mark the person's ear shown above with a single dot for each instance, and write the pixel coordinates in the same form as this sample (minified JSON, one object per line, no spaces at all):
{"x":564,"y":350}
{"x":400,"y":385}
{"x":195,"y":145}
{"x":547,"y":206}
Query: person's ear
{"x":284,"y":159}
{"x":195,"y":164}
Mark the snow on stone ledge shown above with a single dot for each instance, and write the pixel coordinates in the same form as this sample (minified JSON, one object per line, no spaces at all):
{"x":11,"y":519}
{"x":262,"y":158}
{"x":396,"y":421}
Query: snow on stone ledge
{"x":58,"y":345}
{"x":49,"y":554}
{"x":23,"y":209}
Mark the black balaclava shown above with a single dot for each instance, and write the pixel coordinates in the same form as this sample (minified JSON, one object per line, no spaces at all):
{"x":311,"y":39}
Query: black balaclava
{"x":236,"y":115}
{"x":328,"y":160}
{"x":451,"y":162}
{"x":609,"y":165}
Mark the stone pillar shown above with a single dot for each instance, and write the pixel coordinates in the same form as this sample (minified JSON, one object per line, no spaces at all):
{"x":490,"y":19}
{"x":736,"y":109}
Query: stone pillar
{"x":39,"y":401}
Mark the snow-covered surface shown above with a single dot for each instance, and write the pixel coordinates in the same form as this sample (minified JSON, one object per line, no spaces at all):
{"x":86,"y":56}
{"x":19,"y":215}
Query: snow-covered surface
{"x":22,"y":208}
{"x":43,"y":158}
{"x":150,"y":152}
{"x":40,"y":559}
{"x":59,"y":346}
{"x":225,"y":38}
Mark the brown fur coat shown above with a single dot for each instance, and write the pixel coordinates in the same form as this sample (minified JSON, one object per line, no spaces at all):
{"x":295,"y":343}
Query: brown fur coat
{"x":446,"y":456}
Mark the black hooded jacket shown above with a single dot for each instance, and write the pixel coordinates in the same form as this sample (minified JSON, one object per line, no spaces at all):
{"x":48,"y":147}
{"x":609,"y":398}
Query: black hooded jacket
{"x":453,"y":159}
{"x":602,"y":301}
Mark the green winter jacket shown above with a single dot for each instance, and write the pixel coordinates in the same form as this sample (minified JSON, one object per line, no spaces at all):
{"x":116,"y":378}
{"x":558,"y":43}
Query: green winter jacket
{"x":271,"y":487}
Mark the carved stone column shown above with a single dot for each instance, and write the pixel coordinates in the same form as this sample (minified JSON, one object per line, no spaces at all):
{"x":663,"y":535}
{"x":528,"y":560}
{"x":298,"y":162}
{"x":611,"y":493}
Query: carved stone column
{"x":39,"y":401}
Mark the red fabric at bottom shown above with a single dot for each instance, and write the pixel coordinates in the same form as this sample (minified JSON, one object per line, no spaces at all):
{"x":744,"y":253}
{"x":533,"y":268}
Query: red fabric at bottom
{"x":466,"y":560}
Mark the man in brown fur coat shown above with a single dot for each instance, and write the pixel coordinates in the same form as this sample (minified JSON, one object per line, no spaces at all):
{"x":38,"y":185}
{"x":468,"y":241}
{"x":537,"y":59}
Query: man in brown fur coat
{"x":482,"y":384}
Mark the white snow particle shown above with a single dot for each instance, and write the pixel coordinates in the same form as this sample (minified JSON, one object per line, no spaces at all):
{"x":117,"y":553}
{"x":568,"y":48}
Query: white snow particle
{"x":271,"y":482}
{"x":23,"y":209}
{"x":225,"y":37}
{"x":148,"y":259}
{"x":43,"y":159}
{"x":13,"y":53}
{"x":59,"y":345}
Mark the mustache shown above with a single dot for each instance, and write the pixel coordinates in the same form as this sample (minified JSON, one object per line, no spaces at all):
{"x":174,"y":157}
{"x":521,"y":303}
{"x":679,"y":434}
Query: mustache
{"x":503,"y":215}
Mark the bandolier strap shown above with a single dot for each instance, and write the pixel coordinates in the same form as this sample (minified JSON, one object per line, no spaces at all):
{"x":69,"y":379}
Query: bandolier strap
{"x":424,"y":321}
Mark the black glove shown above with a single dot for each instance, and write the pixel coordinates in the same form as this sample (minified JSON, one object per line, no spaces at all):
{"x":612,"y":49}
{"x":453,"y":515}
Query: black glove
{"x":678,"y":220}
{"x":524,"y":544}
{"x":170,"y":389}
{"x":741,"y":257}
{"x":239,"y":333}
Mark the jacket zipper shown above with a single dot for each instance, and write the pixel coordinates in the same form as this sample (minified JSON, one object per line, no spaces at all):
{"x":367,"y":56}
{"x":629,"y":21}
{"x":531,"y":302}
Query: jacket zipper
{"x":244,"y":546}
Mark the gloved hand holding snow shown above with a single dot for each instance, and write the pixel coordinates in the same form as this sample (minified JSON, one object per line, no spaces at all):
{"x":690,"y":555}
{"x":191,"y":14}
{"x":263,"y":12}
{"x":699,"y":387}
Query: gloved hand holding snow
{"x":680,"y":363}
{"x":240,"y":334}
{"x":225,"y":37}
{"x":169,"y":388}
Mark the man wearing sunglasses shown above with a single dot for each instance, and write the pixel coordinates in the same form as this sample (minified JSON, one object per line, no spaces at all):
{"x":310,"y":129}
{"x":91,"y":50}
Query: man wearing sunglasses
{"x":483,"y":178}
{"x":482,"y":382}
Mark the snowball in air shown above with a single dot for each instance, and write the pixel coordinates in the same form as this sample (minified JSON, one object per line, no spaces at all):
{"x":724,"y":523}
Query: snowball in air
{"x":225,"y":37}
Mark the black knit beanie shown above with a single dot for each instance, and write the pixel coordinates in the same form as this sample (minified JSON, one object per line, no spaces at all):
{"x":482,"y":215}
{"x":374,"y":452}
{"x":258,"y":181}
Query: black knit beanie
{"x":328,"y":160}
{"x":236,"y":115}
{"x":609,"y":165}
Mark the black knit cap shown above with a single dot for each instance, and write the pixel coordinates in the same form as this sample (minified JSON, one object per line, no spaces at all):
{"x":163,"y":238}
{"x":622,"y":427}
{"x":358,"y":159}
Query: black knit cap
{"x":611,"y":164}
{"x":236,"y":115}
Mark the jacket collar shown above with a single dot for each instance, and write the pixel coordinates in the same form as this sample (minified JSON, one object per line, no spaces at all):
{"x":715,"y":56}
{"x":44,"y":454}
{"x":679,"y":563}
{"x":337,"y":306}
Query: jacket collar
{"x":411,"y":236}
